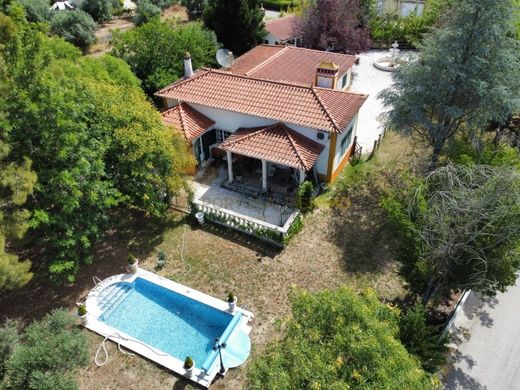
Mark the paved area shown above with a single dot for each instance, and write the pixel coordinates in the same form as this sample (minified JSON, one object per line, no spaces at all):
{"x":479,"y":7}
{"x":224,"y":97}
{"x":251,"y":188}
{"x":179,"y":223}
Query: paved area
{"x":487,"y":342}
{"x":259,"y":209}
{"x":371,"y":81}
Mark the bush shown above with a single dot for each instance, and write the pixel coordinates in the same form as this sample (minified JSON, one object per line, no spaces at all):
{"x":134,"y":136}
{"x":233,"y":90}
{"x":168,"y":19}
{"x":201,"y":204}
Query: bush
{"x":100,"y":10}
{"x":37,"y":10}
{"x":76,"y":27}
{"x":162,"y":3}
{"x":305,"y":198}
{"x":188,"y":362}
{"x":338,"y":340}
{"x":47,"y":354}
{"x":194,"y":7}
{"x":9,"y":338}
{"x":389,"y":28}
{"x":146,"y":11}
{"x":422,"y":340}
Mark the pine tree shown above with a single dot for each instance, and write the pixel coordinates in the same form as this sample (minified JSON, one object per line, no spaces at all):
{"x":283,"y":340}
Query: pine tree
{"x":238,"y":24}
{"x":467,"y":75}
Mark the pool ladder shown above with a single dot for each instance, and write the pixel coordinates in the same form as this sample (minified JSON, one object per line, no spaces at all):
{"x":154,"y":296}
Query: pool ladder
{"x":111,"y":297}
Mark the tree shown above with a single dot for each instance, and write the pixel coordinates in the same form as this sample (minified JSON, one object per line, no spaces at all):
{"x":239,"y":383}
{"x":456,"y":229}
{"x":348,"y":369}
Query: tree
{"x":146,"y":11}
{"x":45,"y":355}
{"x":467,"y":74}
{"x":422,"y":340}
{"x":95,"y":142}
{"x":155,"y":51}
{"x":16,"y":183}
{"x":337,"y":25}
{"x":100,"y":10}
{"x":338,"y":340}
{"x":76,"y":27}
{"x":459,"y":229}
{"x":239,"y":24}
{"x":37,"y":10}
{"x":194,"y":7}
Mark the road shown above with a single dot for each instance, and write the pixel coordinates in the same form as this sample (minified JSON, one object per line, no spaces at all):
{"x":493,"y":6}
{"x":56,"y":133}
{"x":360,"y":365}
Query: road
{"x":490,"y":359}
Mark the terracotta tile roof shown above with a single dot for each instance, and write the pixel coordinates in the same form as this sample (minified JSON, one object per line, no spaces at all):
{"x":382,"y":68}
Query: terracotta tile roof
{"x":288,"y":63}
{"x":282,"y":28}
{"x":319,"y":108}
{"x":276,"y":143}
{"x":189,"y":121}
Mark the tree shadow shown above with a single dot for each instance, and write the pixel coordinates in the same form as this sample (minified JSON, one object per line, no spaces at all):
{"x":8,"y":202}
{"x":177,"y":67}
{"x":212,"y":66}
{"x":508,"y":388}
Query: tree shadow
{"x":130,"y":231}
{"x":478,"y":307}
{"x":360,"y":229}
{"x":458,"y":379}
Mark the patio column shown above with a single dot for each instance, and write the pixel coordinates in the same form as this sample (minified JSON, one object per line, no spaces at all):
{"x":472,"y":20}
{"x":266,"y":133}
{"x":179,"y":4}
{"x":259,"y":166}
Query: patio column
{"x":264,"y":175}
{"x":230,"y":166}
{"x":302,"y":175}
{"x":202,"y":156}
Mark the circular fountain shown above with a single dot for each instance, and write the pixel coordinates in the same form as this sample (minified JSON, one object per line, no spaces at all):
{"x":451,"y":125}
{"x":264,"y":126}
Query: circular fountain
{"x":390,"y":61}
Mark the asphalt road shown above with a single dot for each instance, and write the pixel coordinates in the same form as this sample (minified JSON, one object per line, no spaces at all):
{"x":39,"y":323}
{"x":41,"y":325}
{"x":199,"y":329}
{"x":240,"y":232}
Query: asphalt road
{"x":490,"y":358}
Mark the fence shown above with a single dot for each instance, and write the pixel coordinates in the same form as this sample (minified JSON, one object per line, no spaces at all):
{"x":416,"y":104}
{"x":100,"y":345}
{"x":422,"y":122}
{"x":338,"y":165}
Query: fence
{"x":276,"y":235}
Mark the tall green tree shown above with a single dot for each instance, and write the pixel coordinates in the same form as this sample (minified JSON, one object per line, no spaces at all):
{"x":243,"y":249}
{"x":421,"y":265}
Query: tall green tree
{"x":94,"y":139}
{"x":239,"y":24}
{"x":338,"y":340}
{"x":155,"y":51}
{"x":466,"y":75}
{"x":16,"y":183}
{"x":459,"y":229}
{"x":45,"y":356}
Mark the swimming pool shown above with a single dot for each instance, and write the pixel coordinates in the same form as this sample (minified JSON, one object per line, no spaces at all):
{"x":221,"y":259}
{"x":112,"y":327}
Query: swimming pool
{"x":167,"y":322}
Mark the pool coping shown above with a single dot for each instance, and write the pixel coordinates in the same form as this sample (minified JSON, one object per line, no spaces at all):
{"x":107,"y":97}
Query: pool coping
{"x":201,"y":377}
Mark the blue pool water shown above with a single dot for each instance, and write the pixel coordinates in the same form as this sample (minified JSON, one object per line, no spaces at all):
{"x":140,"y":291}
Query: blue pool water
{"x":170,"y":322}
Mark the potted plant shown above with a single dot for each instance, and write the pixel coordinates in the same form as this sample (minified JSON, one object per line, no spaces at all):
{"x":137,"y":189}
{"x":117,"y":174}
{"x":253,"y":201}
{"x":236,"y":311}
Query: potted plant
{"x":232,"y":302}
{"x":189,"y":364}
{"x":133,"y":263}
{"x":82,"y":313}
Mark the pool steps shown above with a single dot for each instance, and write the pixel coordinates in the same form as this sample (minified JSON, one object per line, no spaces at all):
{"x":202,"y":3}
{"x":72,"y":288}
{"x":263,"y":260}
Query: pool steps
{"x":112,"y":296}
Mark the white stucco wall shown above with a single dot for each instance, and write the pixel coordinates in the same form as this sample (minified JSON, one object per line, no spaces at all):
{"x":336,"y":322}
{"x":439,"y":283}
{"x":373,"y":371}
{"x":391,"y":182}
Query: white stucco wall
{"x":231,"y":121}
{"x":337,"y":155}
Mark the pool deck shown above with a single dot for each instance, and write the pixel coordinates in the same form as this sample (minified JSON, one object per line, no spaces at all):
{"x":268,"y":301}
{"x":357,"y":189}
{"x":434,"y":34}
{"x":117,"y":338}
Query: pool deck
{"x":201,"y":377}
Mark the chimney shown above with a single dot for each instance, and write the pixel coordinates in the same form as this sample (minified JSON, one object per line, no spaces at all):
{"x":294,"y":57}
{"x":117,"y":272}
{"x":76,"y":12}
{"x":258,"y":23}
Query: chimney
{"x":188,"y":68}
{"x":327,"y":75}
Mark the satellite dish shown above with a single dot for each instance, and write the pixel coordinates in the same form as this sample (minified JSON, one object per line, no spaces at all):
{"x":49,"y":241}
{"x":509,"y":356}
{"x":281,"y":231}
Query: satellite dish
{"x":225,"y":58}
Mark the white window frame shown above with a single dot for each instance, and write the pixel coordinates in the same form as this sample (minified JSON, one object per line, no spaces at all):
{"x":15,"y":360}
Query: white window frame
{"x":346,"y":141}
{"x":221,"y":135}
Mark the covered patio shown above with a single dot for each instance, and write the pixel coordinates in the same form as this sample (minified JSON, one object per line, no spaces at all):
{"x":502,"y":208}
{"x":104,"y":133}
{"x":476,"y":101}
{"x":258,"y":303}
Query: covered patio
{"x":283,"y":158}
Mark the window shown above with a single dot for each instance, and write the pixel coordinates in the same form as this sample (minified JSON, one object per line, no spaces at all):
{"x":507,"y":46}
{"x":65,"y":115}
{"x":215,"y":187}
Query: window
{"x":344,"y":81}
{"x":345,"y":142}
{"x":266,"y":41}
{"x":222,"y":135}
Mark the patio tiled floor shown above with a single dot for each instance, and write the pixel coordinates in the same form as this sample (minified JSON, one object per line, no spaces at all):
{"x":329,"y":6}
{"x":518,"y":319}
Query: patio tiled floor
{"x":214,"y":194}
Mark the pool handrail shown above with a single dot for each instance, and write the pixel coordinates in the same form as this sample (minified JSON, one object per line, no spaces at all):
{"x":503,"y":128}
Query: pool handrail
{"x":208,"y":363}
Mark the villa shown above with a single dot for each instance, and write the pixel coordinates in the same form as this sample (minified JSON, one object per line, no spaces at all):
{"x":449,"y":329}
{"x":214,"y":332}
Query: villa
{"x":278,"y":117}
{"x":281,"y":31}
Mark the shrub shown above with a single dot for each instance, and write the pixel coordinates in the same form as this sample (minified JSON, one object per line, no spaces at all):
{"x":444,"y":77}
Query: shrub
{"x":146,"y":11}
{"x":100,"y":10}
{"x":132,"y":259}
{"x":162,"y":3}
{"x":188,"y":362}
{"x":231,"y":297}
{"x":76,"y":27}
{"x":9,"y":339}
{"x":49,"y":352}
{"x":338,"y":340}
{"x":388,"y":28}
{"x":82,"y":310}
{"x":37,"y":10}
{"x":305,"y":198}
{"x":421,"y":339}
{"x":194,"y":7}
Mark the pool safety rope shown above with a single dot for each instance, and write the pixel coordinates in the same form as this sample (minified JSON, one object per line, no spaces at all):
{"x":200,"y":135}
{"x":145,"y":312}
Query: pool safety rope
{"x":102,"y":347}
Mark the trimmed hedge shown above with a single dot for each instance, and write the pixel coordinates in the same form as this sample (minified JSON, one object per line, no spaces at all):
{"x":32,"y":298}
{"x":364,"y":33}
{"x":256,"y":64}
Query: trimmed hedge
{"x":279,"y":5}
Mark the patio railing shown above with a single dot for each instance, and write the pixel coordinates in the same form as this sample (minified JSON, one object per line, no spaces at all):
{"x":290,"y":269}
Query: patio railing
{"x":276,"y":235}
